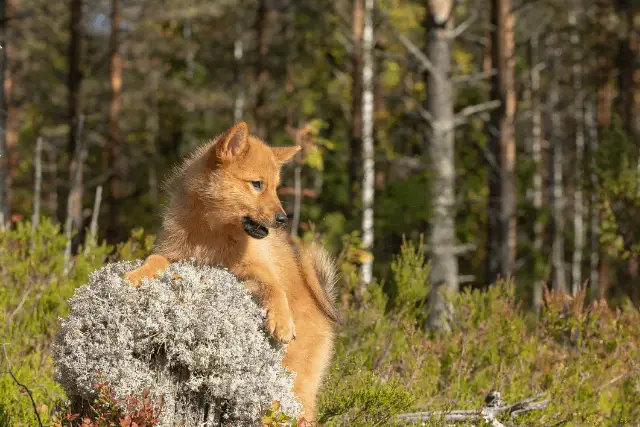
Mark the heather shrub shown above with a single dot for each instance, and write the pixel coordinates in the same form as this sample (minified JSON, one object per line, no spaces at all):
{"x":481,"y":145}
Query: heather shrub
{"x":194,"y":336}
{"x":584,"y":357}
{"x":33,"y":293}
{"x":34,"y":289}
{"x":107,"y":410}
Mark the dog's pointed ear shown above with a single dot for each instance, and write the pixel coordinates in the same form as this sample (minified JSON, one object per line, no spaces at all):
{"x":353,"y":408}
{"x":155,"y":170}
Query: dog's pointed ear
{"x":284,"y":154}
{"x":232,"y":144}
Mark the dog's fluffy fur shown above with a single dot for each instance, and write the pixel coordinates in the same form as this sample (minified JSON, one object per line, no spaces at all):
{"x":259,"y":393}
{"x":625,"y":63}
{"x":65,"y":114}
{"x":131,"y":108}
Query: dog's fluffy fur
{"x":219,"y":214}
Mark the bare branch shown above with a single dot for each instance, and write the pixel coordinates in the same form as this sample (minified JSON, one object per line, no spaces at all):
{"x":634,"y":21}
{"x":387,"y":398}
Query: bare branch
{"x":418,"y":54}
{"x":413,"y":49}
{"x":19,"y":384}
{"x":472,"y":78}
{"x":426,"y":115}
{"x":464,"y":114}
{"x":465,"y":25}
{"x":466,"y":278}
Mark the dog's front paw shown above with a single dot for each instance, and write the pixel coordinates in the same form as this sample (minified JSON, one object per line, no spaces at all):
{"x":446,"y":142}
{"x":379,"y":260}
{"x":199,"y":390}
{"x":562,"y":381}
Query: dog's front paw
{"x":280,"y":322}
{"x":136,"y":276}
{"x":150,"y":268}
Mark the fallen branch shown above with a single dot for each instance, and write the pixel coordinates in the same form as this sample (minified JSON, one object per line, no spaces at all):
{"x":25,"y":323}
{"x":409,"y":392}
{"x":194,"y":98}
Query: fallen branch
{"x":495,"y":407}
{"x":19,"y":384}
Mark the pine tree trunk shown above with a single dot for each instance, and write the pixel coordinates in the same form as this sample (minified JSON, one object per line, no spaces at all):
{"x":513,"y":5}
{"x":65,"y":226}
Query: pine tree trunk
{"x":74,"y":84}
{"x":603,"y":108}
{"x":578,"y":114}
{"x":501,"y":238}
{"x":536,"y":148}
{"x":368,"y":148}
{"x":556,"y":192}
{"x":355,"y":143}
{"x":4,"y":152}
{"x":113,"y":148}
{"x":440,"y":99}
{"x":262,"y":73}
{"x":629,"y":71}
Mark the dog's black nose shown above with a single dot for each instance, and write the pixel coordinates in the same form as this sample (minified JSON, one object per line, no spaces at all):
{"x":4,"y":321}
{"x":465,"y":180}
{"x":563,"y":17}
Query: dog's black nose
{"x":281,"y":218}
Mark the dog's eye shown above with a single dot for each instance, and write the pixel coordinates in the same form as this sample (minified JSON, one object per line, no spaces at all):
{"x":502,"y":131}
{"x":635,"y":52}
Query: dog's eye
{"x":257,"y":185}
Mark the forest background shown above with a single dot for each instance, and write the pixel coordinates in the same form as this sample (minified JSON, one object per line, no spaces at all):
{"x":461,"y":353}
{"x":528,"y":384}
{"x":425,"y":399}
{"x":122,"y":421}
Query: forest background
{"x":448,"y":145}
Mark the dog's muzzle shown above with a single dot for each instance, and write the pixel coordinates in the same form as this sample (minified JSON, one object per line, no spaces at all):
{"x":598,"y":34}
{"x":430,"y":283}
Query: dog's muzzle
{"x":254,"y":228}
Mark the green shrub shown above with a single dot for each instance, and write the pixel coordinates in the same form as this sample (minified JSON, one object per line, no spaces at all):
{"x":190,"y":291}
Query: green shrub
{"x":586,"y":359}
{"x":33,"y":293}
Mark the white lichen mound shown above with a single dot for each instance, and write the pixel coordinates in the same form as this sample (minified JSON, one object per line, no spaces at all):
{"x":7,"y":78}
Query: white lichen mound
{"x":197,"y":340}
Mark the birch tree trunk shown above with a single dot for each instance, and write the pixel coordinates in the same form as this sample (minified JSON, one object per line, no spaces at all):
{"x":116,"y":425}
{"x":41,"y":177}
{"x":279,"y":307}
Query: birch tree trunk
{"x":355,"y":143}
{"x":501,"y":236}
{"x":594,"y":212}
{"x":74,"y":84}
{"x":440,"y":99}
{"x":556,"y":193}
{"x":368,"y":149}
{"x":536,"y":148}
{"x":4,"y":152}
{"x":113,"y":145}
{"x":578,"y":114}
{"x":37,"y":186}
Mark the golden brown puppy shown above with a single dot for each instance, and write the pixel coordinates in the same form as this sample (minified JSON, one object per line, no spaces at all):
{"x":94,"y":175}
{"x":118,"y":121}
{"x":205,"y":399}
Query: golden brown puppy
{"x":224,"y":211}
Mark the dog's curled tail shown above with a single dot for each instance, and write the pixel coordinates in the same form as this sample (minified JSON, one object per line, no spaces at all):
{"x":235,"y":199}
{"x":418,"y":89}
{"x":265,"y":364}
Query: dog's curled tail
{"x":316,"y":261}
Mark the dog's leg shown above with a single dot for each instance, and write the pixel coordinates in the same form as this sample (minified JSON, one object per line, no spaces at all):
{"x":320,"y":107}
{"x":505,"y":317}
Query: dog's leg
{"x":274,"y":300}
{"x":150,"y":268}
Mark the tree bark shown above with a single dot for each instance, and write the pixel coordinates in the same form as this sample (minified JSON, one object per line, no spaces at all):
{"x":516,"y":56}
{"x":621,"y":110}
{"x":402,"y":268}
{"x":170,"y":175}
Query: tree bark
{"x":368,"y":148}
{"x":594,"y":211}
{"x":556,"y":193}
{"x":262,"y":73}
{"x":440,"y":99}
{"x":113,"y":148}
{"x":74,"y":84}
{"x":603,"y":113}
{"x":629,"y":69}
{"x":4,"y":152}
{"x":12,"y":120}
{"x":355,"y":142}
{"x":238,"y":53}
{"x":536,"y":148}
{"x":37,"y":185}
{"x":187,"y":125}
{"x":501,"y":236}
{"x":578,"y":114}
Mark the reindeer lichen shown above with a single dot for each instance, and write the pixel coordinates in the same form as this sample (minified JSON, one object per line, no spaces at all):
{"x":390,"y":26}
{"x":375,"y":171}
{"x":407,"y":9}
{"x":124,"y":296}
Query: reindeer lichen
{"x":193,"y":335}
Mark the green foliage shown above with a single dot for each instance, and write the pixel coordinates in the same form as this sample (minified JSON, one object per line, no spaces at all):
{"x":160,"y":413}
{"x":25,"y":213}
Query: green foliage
{"x":617,"y":169}
{"x":33,"y":293}
{"x":585,"y":359}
